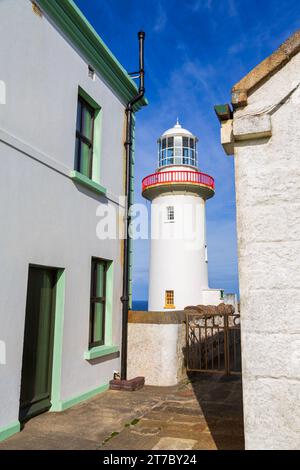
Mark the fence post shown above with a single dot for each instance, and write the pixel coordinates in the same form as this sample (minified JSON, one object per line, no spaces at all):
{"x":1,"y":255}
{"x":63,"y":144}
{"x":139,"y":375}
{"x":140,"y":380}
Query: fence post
{"x":226,"y":345}
{"x":187,"y":341}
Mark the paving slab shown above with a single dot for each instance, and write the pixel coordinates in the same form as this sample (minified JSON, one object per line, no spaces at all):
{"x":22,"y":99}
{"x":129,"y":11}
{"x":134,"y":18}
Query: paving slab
{"x":171,"y":443}
{"x":204,"y":412}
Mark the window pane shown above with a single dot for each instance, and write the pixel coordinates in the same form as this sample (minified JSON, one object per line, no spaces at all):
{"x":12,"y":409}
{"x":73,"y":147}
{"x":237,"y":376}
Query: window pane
{"x":87,"y":124}
{"x":97,"y":312}
{"x":169,"y":297}
{"x":170,"y":212}
{"x":100,"y":285}
{"x":78,"y":122}
{"x":77,"y":152}
{"x":98,"y":323}
{"x":170,"y":152}
{"x":85,"y":160}
{"x":185,"y":141}
{"x":192,"y":143}
{"x":170,"y":141}
{"x":164,"y":143}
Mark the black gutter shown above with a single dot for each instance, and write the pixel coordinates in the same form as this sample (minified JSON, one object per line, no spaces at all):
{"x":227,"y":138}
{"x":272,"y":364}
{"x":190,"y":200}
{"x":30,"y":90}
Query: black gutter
{"x":127,"y":221}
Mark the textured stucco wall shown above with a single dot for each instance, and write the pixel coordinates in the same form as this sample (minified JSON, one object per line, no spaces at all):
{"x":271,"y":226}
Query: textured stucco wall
{"x":267,"y":173}
{"x":156,"y":352}
{"x":47,"y":219}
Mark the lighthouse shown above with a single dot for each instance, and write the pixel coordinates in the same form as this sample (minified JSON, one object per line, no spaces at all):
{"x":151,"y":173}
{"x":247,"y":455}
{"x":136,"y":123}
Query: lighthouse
{"x":178,"y":192}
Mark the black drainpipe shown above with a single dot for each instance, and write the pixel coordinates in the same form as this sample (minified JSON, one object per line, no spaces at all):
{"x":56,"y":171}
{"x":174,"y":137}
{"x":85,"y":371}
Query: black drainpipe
{"x":128,"y":147}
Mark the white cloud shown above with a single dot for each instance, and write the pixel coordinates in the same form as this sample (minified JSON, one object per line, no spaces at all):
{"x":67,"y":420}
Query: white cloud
{"x":191,"y":87}
{"x":236,"y":48}
{"x":161,"y":19}
{"x":201,"y":4}
{"x":232,"y":8}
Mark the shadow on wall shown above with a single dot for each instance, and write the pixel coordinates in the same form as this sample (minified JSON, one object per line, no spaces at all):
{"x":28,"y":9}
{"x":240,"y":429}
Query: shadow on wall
{"x":220,"y":399}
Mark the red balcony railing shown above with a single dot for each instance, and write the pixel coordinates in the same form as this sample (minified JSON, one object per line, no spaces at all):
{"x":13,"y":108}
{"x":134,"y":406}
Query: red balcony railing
{"x":165,"y":177}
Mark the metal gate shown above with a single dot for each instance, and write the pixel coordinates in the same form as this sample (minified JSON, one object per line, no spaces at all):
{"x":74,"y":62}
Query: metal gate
{"x":213,"y":343}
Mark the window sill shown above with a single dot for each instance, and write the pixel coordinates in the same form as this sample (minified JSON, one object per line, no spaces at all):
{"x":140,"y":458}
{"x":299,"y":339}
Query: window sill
{"x":169,"y":306}
{"x":87,"y":182}
{"x":100,"y":351}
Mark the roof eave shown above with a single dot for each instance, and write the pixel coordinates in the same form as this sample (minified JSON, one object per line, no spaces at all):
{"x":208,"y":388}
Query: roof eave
{"x":68,"y":17}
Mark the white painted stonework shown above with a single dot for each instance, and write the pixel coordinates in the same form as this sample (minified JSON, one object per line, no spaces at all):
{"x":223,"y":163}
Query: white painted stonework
{"x":177,"y":263}
{"x":267,"y":173}
{"x":178,"y":247}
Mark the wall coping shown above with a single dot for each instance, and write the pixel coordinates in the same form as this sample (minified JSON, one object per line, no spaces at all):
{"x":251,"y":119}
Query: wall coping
{"x":157,"y":318}
{"x":265,"y":70}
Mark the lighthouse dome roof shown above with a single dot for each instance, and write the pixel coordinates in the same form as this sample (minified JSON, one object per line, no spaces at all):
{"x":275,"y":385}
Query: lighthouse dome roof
{"x":177,"y":130}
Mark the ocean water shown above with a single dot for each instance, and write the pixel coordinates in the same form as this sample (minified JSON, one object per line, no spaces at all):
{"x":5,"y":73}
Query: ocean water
{"x":140,"y":305}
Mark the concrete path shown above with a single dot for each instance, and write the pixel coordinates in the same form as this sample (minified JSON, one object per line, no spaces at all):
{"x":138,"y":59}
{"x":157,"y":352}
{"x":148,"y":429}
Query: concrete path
{"x":202,"y":413}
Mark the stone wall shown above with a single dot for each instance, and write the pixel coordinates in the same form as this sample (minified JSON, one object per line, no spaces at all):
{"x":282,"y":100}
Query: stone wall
{"x":156,"y":342}
{"x":267,"y":172}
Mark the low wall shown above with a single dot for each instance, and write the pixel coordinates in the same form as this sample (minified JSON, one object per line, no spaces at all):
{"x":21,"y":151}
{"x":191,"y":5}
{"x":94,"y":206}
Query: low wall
{"x":211,"y":297}
{"x":156,"y":343}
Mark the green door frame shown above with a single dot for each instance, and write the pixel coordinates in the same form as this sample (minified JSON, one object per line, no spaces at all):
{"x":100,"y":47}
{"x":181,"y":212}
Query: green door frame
{"x":58,"y":341}
{"x":59,"y":307}
{"x":34,"y":400}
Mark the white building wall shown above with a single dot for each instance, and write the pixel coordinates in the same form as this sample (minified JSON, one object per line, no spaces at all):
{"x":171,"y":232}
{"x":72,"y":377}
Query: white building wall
{"x":163,"y":343}
{"x":267,"y":175}
{"x":47,"y":219}
{"x":212,"y":297}
{"x":177,"y":252}
{"x":167,"y":168}
{"x":42,"y":73}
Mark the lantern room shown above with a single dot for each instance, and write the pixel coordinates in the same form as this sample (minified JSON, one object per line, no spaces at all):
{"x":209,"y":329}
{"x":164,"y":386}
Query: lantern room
{"x":177,"y":146}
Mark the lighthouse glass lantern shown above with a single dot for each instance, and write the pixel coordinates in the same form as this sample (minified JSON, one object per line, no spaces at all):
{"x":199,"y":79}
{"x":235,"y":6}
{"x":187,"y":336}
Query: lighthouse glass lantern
{"x":178,"y":191}
{"x":177,"y":149}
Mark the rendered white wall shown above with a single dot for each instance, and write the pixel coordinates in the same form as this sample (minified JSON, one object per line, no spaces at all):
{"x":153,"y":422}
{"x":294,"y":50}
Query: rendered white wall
{"x":267,"y":176}
{"x":47,"y":220}
{"x":155,"y":351}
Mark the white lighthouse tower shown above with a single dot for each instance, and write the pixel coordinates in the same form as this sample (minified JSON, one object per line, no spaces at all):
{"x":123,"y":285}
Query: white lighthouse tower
{"x":178,"y":192}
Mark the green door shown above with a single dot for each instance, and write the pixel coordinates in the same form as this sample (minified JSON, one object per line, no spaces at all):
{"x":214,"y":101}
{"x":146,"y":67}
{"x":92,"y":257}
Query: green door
{"x":38,"y":342}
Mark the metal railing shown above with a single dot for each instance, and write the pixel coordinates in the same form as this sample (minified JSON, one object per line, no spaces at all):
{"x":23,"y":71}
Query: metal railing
{"x":165,"y":177}
{"x":213,"y":343}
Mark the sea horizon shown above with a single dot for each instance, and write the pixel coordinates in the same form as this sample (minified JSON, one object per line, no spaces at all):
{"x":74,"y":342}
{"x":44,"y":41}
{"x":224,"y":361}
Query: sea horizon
{"x":140,"y":305}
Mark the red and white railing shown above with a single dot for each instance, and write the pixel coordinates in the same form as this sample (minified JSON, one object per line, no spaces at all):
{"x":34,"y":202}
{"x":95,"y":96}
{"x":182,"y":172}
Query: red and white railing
{"x":165,"y":177}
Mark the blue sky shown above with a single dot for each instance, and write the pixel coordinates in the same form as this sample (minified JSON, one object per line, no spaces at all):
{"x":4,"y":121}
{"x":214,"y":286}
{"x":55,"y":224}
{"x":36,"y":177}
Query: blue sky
{"x":196,"y":50}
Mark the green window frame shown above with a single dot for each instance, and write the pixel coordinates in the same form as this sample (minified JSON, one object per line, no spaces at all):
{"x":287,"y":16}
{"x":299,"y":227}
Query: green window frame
{"x":101,"y":324}
{"x":84,"y":148}
{"x":88,"y":143}
{"x":98,"y":302}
